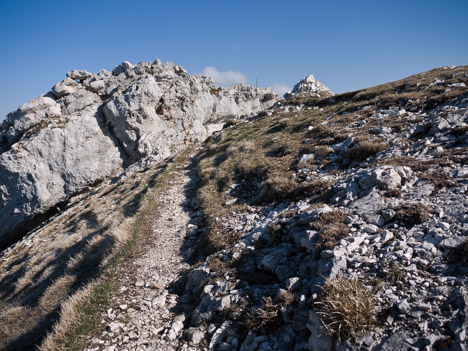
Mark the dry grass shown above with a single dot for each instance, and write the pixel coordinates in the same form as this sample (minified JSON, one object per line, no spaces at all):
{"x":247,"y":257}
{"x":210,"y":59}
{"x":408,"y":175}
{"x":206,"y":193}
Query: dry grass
{"x":276,"y":231}
{"x":413,"y":214}
{"x":417,"y":165}
{"x":346,"y":308}
{"x":414,"y":91}
{"x":394,"y":271}
{"x":80,"y":314}
{"x":68,"y":253}
{"x":71,"y":312}
{"x":286,"y":298}
{"x":439,"y":178}
{"x":363,"y":150}
{"x":254,"y":162}
{"x":268,"y":316}
{"x":322,"y":150}
{"x":10,"y":316}
{"x":331,"y":228}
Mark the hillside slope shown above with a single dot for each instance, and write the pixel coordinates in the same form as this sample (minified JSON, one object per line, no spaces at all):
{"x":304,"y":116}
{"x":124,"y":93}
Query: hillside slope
{"x":365,"y":191}
{"x":323,"y":223}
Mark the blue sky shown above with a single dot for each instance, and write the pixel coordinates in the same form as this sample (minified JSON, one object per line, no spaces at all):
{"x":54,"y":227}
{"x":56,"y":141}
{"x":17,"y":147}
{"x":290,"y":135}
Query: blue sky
{"x":347,"y":45}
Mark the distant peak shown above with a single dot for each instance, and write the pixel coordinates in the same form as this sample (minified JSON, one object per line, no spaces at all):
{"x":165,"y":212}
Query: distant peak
{"x":311,"y":87}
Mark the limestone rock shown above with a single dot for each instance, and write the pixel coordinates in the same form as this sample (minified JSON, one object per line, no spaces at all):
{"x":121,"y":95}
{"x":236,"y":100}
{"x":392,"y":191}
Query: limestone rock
{"x":29,"y":115}
{"x":65,"y":87}
{"x":92,"y":125}
{"x":309,"y":86}
{"x":79,"y":74}
{"x":53,"y":165}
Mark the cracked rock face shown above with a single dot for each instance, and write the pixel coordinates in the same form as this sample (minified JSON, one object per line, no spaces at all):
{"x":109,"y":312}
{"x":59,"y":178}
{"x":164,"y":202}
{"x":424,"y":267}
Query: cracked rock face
{"x":91,"y":125}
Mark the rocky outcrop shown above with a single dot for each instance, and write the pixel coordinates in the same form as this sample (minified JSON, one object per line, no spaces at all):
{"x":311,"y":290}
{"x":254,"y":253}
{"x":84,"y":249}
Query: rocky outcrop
{"x":91,"y":125}
{"x":309,"y":86}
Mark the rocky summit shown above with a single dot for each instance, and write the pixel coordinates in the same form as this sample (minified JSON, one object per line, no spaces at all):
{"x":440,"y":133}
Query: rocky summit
{"x":93,"y":125}
{"x":147,"y":209}
{"x":309,"y":86}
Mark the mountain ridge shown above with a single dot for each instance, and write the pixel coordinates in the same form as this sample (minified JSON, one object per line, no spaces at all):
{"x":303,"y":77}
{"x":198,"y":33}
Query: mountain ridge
{"x":363,"y":191}
{"x":92,"y":125}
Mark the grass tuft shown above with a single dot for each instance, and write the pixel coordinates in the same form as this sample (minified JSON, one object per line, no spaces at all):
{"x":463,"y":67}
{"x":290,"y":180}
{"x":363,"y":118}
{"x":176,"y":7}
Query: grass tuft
{"x":346,"y":308}
{"x":268,"y":316}
{"x":413,"y":214}
{"x":460,"y":253}
{"x":80,"y":315}
{"x":364,"y":150}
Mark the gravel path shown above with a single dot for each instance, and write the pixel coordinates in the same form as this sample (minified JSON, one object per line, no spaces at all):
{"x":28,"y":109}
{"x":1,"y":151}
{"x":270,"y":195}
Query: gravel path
{"x":143,"y":315}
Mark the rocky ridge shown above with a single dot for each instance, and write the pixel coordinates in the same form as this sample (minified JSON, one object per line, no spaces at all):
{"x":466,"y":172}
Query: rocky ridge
{"x":92,"y":125}
{"x":368,"y":186}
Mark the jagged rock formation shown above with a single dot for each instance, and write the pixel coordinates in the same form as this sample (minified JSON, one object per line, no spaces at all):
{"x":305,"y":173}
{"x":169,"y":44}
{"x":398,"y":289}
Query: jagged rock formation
{"x":309,"y":86}
{"x":91,"y":125}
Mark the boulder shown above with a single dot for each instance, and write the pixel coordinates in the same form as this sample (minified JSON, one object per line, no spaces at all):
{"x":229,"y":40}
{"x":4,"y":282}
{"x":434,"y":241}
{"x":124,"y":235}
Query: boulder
{"x":65,"y":87}
{"x":29,"y":115}
{"x":55,"y":164}
{"x":386,"y":178}
{"x":79,"y":74}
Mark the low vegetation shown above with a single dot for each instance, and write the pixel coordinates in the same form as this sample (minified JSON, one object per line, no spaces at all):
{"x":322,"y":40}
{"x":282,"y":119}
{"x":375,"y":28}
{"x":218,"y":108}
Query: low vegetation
{"x":257,"y":163}
{"x":346,"y":308}
{"x":460,"y":253}
{"x":331,"y":228}
{"x":412,"y":214}
{"x":62,"y":292}
{"x":365,"y":149}
{"x":268,"y":316}
{"x":281,"y":155}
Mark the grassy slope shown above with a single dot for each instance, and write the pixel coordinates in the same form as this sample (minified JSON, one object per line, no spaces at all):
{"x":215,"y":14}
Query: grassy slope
{"x":253,"y":162}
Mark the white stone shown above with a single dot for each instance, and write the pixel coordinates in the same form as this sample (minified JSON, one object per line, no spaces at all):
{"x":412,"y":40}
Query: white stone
{"x":66,"y":87}
{"x":79,"y":74}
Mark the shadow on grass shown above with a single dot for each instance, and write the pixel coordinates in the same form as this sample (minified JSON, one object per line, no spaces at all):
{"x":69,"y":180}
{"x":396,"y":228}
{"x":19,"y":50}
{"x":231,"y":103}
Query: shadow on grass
{"x":87,"y":269}
{"x":79,"y":264}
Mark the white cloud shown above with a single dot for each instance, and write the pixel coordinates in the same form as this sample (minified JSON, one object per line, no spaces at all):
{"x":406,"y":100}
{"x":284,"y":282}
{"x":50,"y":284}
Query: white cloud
{"x":224,"y":78}
{"x":280,"y":88}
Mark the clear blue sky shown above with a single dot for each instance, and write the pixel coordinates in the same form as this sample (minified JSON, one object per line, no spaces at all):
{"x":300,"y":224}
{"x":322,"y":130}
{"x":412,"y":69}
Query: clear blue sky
{"x":347,"y":45}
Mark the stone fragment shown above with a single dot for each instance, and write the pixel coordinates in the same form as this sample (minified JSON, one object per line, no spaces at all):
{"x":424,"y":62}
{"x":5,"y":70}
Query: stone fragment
{"x":195,"y":336}
{"x":318,"y":340}
{"x":79,"y":74}
{"x":270,"y":261}
{"x":66,"y":87}
{"x":370,"y":229}
{"x":403,"y":306}
{"x":386,"y":236}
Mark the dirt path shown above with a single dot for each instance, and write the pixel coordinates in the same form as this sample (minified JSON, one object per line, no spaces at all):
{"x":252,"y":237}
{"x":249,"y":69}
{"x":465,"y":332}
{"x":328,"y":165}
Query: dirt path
{"x":142,"y":316}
